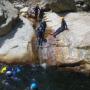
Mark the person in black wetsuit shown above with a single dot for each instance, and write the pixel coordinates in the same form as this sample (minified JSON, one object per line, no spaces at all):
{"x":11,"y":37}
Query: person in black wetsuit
{"x":62,"y":28}
{"x":34,"y":85}
{"x":43,"y":25}
{"x":41,"y":32}
{"x":36,"y":10}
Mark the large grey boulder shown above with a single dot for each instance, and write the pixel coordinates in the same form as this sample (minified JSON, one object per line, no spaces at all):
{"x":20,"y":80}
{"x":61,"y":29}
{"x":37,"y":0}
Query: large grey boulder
{"x":71,"y":46}
{"x":8,"y":17}
{"x":16,"y":47}
{"x":83,"y":4}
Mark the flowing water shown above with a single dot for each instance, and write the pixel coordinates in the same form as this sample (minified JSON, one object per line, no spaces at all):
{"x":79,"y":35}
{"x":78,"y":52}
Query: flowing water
{"x":49,"y":79}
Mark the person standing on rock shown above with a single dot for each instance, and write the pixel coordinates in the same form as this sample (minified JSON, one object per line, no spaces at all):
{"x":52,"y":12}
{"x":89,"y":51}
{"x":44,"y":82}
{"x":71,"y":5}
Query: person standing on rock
{"x":43,"y":25}
{"x":61,"y":29}
{"x":41,"y":33}
{"x":36,"y":11}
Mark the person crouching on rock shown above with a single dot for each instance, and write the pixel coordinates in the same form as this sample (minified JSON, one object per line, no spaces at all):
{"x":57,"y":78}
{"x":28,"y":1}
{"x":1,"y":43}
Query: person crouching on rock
{"x":61,"y":29}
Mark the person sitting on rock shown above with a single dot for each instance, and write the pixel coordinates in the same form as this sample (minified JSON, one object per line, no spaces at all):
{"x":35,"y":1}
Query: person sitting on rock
{"x":61,"y":29}
{"x":36,"y":10}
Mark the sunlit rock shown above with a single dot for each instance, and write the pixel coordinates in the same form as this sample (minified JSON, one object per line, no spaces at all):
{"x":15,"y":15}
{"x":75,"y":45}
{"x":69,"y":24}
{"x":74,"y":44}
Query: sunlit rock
{"x":70,"y":46}
{"x":16,"y":47}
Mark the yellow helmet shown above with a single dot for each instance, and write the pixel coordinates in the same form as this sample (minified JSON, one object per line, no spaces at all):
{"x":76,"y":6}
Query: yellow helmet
{"x":3,"y":70}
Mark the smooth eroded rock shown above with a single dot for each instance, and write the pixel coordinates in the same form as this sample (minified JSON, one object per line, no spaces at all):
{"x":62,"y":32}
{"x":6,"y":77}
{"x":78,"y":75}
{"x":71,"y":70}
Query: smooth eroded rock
{"x":16,"y":47}
{"x":70,"y":46}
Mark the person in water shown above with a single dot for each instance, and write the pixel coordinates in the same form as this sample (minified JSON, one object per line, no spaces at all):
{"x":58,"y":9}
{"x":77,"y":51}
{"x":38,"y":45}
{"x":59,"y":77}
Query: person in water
{"x":41,"y":14}
{"x":61,"y":29}
{"x":34,"y":85}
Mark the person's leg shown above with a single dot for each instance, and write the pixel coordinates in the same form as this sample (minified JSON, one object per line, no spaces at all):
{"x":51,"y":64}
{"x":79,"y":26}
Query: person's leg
{"x":57,"y":32}
{"x":41,"y":41}
{"x":38,"y":41}
{"x":41,"y":38}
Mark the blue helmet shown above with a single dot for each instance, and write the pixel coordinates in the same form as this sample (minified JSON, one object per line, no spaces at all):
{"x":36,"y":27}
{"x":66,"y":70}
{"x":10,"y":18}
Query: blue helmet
{"x":33,"y":86}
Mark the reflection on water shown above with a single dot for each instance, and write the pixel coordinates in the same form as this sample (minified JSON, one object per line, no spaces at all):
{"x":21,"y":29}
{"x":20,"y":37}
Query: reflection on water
{"x":50,"y":79}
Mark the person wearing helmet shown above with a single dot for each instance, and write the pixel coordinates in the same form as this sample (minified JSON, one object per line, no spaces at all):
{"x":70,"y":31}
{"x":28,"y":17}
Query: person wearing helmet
{"x":3,"y":70}
{"x":62,"y":28}
{"x":34,"y":85}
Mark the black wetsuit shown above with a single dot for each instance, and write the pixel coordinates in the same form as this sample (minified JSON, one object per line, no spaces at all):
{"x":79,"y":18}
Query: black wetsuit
{"x":61,"y":29}
{"x":36,"y":10}
{"x":43,"y":25}
{"x":41,"y":32}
